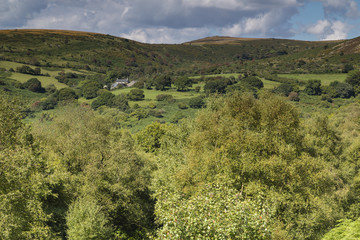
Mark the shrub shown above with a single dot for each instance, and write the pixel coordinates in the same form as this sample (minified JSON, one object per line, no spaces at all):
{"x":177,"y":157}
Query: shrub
{"x":136,"y":95}
{"x":253,"y":82}
{"x":196,"y":102}
{"x":165,"y":97}
{"x":294,"y":96}
{"x":34,"y":85}
{"x":313,"y":87}
{"x":284,"y":89}
{"x":182,"y":105}
{"x":66,"y":94}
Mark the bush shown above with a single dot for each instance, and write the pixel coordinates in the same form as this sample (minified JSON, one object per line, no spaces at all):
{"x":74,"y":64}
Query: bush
{"x":105,"y":98}
{"x":284,"y":89}
{"x":34,"y":85}
{"x":294,"y":96}
{"x":313,"y":87}
{"x":65,"y":94}
{"x":85,"y":220}
{"x":196,"y":102}
{"x":165,"y":97}
{"x":90,"y":89}
{"x":253,"y":82}
{"x":182,"y":105}
{"x":342,"y":90}
{"x":136,"y":95}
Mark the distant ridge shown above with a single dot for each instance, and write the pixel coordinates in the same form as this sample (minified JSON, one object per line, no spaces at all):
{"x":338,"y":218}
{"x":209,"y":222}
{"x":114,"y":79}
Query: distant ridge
{"x":220,"y":40}
{"x":225,"y":40}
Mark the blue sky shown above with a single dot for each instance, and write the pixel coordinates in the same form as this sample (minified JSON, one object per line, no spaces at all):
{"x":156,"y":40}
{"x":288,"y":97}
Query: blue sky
{"x":177,"y":21}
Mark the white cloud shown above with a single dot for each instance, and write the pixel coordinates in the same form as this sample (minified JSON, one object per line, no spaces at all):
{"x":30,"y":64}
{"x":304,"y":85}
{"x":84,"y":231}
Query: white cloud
{"x":338,"y":31}
{"x":319,"y":28}
{"x":270,"y":23}
{"x":172,"y":20}
{"x":167,"y":35}
{"x":329,"y":30}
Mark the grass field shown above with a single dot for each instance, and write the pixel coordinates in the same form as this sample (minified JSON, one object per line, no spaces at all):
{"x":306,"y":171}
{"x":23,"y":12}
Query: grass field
{"x":325,"y":79}
{"x":45,"y":81}
{"x":267,"y":84}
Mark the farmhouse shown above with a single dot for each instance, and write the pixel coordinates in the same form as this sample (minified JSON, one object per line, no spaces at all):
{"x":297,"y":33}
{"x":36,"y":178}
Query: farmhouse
{"x":118,"y":82}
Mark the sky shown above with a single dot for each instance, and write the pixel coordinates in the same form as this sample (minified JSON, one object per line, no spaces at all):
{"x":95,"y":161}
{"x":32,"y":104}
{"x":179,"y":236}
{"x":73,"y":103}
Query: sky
{"x":178,"y":21}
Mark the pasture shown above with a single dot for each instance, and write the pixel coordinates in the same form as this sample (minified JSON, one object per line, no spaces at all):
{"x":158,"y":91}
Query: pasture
{"x":325,"y":79}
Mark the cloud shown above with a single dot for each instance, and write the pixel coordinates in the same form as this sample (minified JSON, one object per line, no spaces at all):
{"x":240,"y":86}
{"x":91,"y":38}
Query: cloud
{"x":167,"y":35}
{"x":319,"y":28}
{"x":173,"y":20}
{"x":14,"y":13}
{"x":348,"y":8}
{"x":329,"y":30}
{"x":273,"y":23}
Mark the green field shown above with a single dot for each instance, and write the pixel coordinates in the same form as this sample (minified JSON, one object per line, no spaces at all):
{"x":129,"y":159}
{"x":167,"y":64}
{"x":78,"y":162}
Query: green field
{"x":45,"y":81}
{"x":325,"y":79}
{"x":267,"y":83}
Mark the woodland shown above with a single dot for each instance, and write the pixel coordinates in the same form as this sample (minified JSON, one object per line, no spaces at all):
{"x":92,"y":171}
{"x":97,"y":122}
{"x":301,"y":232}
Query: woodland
{"x":218,"y":138}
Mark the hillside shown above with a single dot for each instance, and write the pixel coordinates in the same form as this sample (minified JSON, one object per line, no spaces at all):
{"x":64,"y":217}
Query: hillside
{"x":101,"y":53}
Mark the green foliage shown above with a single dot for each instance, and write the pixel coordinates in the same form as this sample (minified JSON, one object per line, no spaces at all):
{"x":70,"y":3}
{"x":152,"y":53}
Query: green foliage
{"x":34,"y":85}
{"x":150,"y":137}
{"x":215,"y":86}
{"x":120,"y":102}
{"x":313,"y":87}
{"x":182,"y":105}
{"x":345,"y":230}
{"x":161,"y":82}
{"x":253,"y":81}
{"x":259,"y":146}
{"x":340,"y":89}
{"x":105,"y":98}
{"x":99,"y":172}
{"x":353,"y":78}
{"x":136,"y":95}
{"x":284,"y":89}
{"x":197,"y":102}
{"x":182,"y":83}
{"x":28,"y":70}
{"x":85,"y":220}
{"x":66,"y":94}
{"x":90,"y":89}
{"x":24,"y":177}
{"x":217,"y":212}
{"x":165,"y":97}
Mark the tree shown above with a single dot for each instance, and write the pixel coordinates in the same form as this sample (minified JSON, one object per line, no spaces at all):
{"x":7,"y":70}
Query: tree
{"x":105,"y":98}
{"x":342,"y":89}
{"x":66,"y":94}
{"x":90,"y":89}
{"x":182,"y":83}
{"x":196,"y":102}
{"x":313,"y":87}
{"x":284,"y":89}
{"x":150,"y":137}
{"x":85,"y":220}
{"x":353,"y":78}
{"x":120,"y":102}
{"x":257,"y":146}
{"x":161,"y":82}
{"x":253,"y":81}
{"x":215,"y":86}
{"x":136,"y":95}
{"x":34,"y":85}
{"x":24,"y":176}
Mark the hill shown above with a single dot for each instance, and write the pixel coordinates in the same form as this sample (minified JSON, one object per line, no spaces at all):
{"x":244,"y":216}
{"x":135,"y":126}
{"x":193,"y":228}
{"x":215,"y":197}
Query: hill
{"x":102,"y":53}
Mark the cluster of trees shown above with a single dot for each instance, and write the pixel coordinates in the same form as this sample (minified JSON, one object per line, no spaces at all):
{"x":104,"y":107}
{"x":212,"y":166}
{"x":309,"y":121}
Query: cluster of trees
{"x":28,"y":70}
{"x":246,"y":167}
{"x":336,"y":89}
